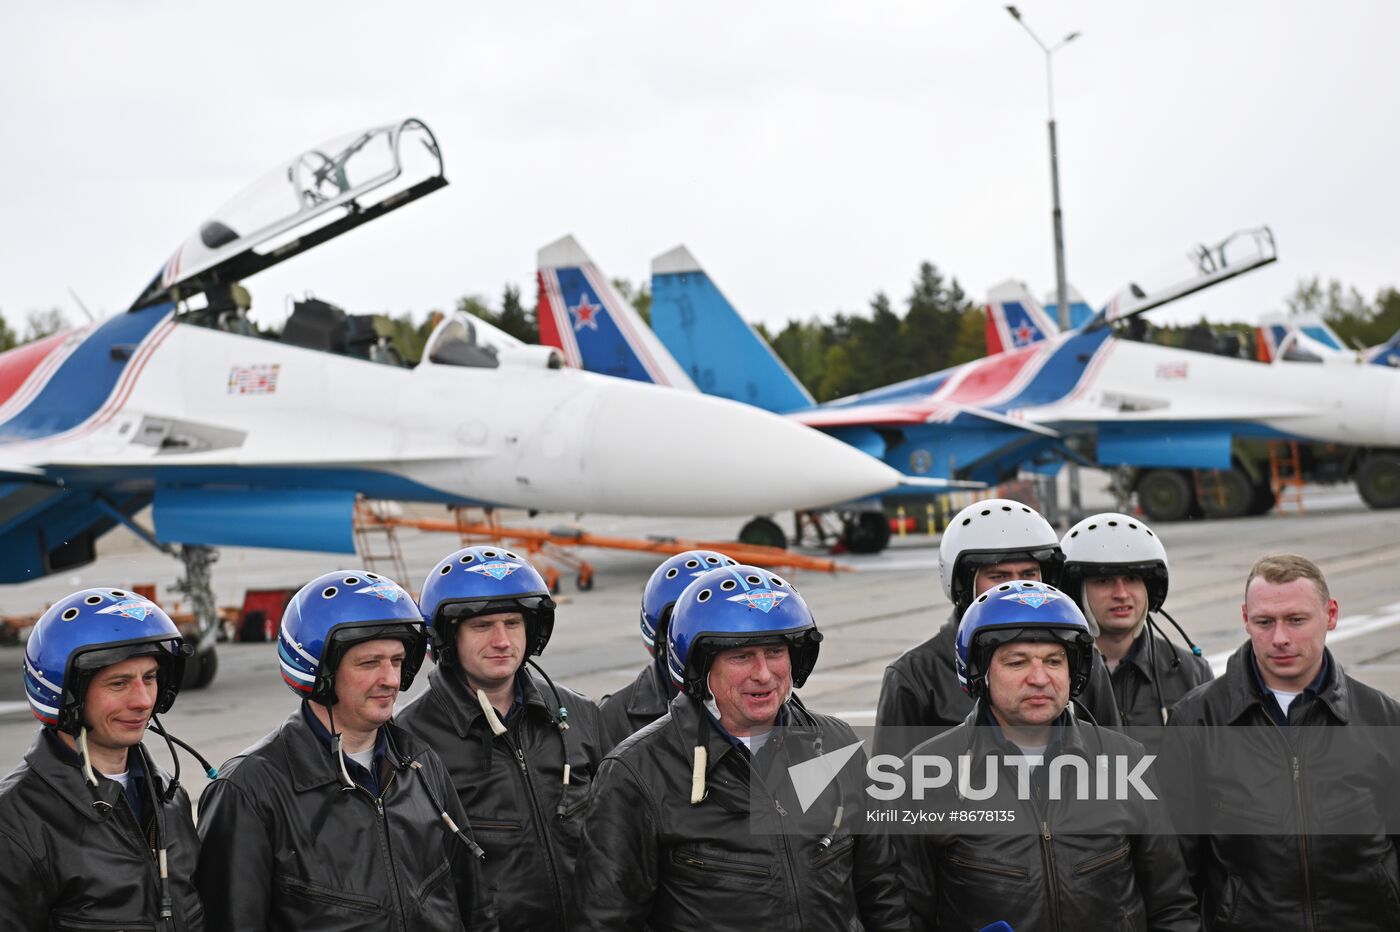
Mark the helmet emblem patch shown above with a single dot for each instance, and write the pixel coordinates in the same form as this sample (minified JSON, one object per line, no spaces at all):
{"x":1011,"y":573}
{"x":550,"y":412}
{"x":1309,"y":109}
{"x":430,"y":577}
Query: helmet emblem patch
{"x":762,"y":599}
{"x":382,"y":590}
{"x":131,"y":608}
{"x":498,"y":569}
{"x":1031,"y":599}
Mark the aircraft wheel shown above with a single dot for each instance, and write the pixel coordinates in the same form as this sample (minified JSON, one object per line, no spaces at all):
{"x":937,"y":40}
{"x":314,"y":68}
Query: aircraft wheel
{"x":1231,"y":496}
{"x":1378,"y":480}
{"x":1264,"y":499}
{"x":584,"y":581}
{"x":763,"y":532}
{"x":1165,"y":495}
{"x":200,"y":669}
{"x":866,"y":532}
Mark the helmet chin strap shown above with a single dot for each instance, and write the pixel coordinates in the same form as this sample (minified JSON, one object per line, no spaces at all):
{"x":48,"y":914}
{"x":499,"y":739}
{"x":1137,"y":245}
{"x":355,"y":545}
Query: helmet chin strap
{"x":87,"y":759}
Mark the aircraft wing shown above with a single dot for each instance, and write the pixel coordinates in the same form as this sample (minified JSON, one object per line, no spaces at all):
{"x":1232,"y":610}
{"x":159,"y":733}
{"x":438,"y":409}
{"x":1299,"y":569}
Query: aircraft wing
{"x":896,"y":415}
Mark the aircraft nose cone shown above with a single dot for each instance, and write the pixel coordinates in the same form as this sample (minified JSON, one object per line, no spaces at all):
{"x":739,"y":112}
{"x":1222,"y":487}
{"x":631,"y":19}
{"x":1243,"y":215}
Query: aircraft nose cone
{"x":692,"y":454}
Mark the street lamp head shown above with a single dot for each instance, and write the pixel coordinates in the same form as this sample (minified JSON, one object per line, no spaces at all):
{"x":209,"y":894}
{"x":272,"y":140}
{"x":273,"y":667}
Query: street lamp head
{"x":1015,"y":13}
{"x":1069,"y":38}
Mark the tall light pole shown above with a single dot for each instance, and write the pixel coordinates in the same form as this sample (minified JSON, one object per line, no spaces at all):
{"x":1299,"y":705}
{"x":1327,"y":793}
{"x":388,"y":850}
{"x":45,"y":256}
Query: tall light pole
{"x":1061,"y":289}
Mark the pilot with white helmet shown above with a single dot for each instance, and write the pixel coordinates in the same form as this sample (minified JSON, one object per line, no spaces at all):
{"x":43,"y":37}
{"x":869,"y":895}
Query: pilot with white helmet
{"x":93,"y":835}
{"x":694,"y":822}
{"x":986,"y":544}
{"x":339,"y":819}
{"x":1116,"y":569}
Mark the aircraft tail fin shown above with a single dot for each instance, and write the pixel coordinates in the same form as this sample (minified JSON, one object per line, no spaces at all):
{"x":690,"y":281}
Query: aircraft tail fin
{"x":582,"y":314}
{"x":1386,"y":354}
{"x":721,"y":352}
{"x":1015,"y":318}
{"x":1080,"y":313}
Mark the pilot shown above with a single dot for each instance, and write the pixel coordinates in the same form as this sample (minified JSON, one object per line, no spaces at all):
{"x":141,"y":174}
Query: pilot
{"x":338,"y":819}
{"x":645,"y":699}
{"x":1293,"y":763}
{"x":520,"y":749}
{"x":1116,"y":570}
{"x":987,"y":543}
{"x":694,"y":823}
{"x":1066,"y":859}
{"x":93,"y":835}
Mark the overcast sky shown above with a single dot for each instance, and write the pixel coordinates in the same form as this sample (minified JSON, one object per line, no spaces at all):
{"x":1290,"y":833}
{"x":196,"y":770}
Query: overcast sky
{"x":809,"y":153}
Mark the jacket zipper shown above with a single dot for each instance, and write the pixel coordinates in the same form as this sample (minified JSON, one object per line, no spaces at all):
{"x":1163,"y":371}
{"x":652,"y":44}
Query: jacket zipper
{"x":383,"y":820}
{"x":1302,"y":841}
{"x":143,"y":844}
{"x":1103,"y":860}
{"x":995,"y":869}
{"x":540,"y":826}
{"x":1302,"y":827}
{"x":783,"y":839}
{"x":720,"y":867}
{"x":1047,"y":853}
{"x":1047,"y":846}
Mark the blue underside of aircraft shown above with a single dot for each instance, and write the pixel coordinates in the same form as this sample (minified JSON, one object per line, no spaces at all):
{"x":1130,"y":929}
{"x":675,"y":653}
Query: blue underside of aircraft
{"x":44,"y":528}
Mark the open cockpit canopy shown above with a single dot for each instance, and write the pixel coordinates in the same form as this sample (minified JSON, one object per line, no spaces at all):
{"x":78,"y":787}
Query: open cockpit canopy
{"x":315,"y":196}
{"x":462,"y":339}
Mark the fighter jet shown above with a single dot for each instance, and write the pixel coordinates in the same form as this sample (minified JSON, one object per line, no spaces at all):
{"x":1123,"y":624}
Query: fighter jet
{"x":1196,"y":428}
{"x":583,"y":315}
{"x":236,"y":437}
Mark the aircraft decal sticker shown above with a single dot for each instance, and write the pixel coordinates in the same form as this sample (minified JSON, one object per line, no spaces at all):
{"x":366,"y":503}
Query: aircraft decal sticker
{"x":497,"y":569}
{"x":1171,"y":370}
{"x":585,"y":314}
{"x":136,"y":609}
{"x":765,"y":600}
{"x":382,"y":590}
{"x":1031,"y":599}
{"x":253,"y":380}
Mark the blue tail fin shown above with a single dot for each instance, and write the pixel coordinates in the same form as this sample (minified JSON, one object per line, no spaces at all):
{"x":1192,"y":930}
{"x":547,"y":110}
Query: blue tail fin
{"x":1080,"y":313}
{"x":722,"y":353}
{"x":1015,"y":319}
{"x":581,"y":314}
{"x":1386,"y":354}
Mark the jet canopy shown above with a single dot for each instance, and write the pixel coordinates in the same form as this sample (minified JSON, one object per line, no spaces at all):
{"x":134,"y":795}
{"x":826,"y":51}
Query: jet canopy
{"x":313,"y":197}
{"x":462,"y":339}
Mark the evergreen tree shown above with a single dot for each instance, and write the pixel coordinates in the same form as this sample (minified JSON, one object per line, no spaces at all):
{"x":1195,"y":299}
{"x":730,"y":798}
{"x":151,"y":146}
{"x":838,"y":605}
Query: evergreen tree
{"x":8,"y":338}
{"x":515,"y":319}
{"x":39,"y":324}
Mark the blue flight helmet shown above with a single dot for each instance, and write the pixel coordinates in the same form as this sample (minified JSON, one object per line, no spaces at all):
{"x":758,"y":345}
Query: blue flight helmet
{"x":1021,"y":611}
{"x":665,"y":586}
{"x":737,"y":606}
{"x":484,"y":581}
{"x":331,"y":614}
{"x":81,"y":634}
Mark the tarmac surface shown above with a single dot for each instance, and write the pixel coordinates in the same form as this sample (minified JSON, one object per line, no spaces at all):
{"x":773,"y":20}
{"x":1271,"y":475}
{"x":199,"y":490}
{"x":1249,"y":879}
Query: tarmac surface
{"x":891,"y":602}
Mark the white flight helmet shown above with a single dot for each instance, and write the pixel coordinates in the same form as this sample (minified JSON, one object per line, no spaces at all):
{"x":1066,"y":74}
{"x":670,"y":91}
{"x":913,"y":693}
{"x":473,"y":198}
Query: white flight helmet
{"x":994,"y":531}
{"x":1112,"y":544}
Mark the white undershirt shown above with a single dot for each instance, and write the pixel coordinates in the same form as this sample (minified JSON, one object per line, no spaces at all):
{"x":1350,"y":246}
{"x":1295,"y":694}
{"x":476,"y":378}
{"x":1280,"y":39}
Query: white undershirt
{"x":1034,"y":754}
{"x":364,"y":758}
{"x":1284,"y":699}
{"x":121,"y":778}
{"x":756,"y":742}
